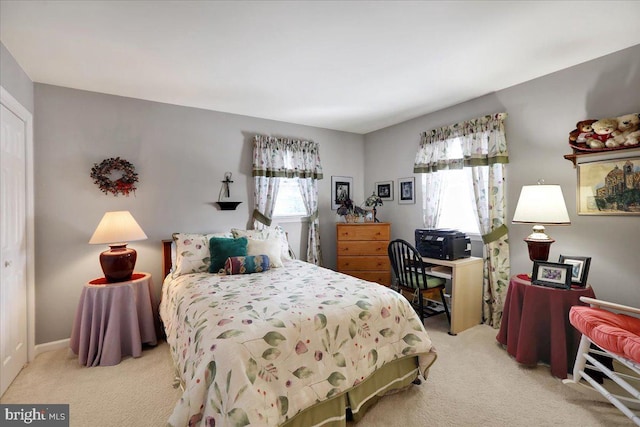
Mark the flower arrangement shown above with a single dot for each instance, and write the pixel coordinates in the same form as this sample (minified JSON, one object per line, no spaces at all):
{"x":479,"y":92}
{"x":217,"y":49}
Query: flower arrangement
{"x":101,"y":174}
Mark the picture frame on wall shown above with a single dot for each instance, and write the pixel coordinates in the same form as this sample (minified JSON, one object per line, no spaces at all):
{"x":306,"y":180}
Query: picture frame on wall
{"x":406,"y":191}
{"x":384,"y":190}
{"x":551,"y":274}
{"x":579,"y":268}
{"x":341,"y":189}
{"x":609,"y":186}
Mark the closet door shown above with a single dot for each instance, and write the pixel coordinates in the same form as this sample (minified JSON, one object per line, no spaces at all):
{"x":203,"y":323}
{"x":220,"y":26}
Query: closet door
{"x":13,"y":247}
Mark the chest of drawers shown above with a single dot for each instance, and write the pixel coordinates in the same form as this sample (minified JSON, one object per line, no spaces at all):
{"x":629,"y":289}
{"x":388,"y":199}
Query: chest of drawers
{"x":362,"y":251}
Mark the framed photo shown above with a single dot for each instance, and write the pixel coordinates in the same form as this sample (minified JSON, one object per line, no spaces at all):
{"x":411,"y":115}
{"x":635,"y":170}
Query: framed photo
{"x":579,"y":268}
{"x":341,"y":189}
{"x":551,"y":274}
{"x":384,"y":190}
{"x":609,"y":187}
{"x":407,"y":193}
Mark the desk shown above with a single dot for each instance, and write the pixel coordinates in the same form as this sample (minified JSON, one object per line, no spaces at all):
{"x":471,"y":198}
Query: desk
{"x":535,"y":325}
{"x":466,"y":289}
{"x":114,"y":320}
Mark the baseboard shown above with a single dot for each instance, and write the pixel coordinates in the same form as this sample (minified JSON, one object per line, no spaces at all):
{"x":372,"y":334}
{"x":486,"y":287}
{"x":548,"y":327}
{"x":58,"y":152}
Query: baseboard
{"x":50,"y":346}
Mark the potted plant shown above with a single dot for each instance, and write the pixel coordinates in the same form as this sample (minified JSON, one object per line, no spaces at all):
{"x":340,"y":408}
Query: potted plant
{"x":349,"y":211}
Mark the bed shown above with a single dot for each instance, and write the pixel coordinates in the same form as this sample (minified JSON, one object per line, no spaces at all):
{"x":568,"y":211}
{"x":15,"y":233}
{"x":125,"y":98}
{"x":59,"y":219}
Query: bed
{"x":298,"y":345}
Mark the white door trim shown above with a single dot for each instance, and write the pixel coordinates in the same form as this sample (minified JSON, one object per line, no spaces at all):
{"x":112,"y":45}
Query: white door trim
{"x":18,"y":109}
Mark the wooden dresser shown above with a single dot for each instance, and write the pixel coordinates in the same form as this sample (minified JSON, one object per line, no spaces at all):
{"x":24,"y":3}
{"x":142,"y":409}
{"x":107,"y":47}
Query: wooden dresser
{"x":362,"y":251}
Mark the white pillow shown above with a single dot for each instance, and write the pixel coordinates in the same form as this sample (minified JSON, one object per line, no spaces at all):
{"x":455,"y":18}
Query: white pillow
{"x":267,"y":233}
{"x":192,"y":252}
{"x":269,"y":247}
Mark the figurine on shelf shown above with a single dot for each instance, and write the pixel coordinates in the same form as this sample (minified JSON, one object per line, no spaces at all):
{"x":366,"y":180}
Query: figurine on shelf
{"x":602,"y":130}
{"x":582,"y":131}
{"x":607,"y":134}
{"x":627,"y":131}
{"x":225,"y":193}
{"x":633,"y":138}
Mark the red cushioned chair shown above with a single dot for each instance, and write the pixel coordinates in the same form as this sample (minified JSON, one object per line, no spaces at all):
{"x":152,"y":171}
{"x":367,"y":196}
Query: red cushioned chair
{"x":616,"y":335}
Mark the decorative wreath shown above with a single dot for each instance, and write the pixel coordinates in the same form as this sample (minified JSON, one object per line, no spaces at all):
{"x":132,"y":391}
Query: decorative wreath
{"x":101,"y":174}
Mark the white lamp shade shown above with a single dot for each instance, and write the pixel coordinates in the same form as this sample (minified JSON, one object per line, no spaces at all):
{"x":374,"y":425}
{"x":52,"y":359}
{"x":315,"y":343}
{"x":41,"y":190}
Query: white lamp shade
{"x":541,"y":204}
{"x":118,"y":226}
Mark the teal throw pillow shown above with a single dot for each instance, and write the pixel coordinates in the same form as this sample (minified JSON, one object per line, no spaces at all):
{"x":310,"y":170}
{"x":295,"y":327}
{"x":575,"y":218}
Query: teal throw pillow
{"x":222,"y":248}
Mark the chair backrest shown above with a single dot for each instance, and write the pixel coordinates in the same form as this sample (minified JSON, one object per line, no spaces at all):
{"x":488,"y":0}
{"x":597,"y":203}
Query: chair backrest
{"x":407,"y":264}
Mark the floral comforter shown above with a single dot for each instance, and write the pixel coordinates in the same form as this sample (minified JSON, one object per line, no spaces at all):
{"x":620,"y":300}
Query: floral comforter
{"x":259,"y":348}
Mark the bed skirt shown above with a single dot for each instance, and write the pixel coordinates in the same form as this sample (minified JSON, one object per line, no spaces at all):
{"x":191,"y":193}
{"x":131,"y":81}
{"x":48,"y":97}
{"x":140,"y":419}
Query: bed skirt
{"x":391,"y":377}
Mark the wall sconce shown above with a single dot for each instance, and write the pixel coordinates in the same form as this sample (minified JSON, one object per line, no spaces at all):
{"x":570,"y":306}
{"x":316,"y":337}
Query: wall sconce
{"x":225,"y":194}
{"x":115,"y":229}
{"x":540,"y":205}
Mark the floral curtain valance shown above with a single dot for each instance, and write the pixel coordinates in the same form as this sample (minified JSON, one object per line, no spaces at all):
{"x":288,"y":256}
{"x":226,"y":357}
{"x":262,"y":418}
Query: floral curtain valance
{"x":285,"y":158}
{"x":476,"y":142}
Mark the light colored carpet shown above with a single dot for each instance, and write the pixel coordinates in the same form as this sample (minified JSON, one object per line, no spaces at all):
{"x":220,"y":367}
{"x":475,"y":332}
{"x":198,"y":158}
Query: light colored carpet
{"x":474,"y":382}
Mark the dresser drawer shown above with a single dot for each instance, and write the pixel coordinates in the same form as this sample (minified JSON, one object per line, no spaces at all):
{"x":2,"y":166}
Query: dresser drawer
{"x":382,"y":277}
{"x":363,"y":232}
{"x":374,"y":247}
{"x":362,"y":251}
{"x":363,"y":263}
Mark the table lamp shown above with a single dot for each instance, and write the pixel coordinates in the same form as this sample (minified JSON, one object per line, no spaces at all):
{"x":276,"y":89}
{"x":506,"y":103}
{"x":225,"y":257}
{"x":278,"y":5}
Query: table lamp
{"x":374,"y":200}
{"x":540,"y":205}
{"x":116,"y":229}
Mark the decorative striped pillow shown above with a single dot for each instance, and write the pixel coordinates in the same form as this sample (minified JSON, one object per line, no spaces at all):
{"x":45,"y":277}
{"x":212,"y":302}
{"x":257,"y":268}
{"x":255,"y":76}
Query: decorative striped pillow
{"x":246,"y":264}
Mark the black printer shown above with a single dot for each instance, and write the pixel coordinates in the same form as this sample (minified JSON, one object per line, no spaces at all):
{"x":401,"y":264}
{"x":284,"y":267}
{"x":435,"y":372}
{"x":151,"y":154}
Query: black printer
{"x":443,"y":243}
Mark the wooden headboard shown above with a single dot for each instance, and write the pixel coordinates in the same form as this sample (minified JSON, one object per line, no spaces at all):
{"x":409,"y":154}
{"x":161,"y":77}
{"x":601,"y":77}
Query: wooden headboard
{"x":166,"y":257}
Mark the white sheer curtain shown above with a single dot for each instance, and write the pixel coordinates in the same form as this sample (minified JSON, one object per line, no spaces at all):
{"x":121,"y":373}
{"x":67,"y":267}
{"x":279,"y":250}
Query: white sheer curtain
{"x":481,"y":145}
{"x":276,"y":158}
{"x":431,"y":206}
{"x":309,"y":191}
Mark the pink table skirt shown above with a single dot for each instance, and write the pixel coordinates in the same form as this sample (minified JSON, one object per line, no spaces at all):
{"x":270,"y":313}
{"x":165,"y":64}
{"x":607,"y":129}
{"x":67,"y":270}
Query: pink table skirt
{"x":114,"y":320}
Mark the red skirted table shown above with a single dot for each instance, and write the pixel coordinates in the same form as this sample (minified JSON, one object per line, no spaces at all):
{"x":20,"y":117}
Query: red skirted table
{"x":535,"y":324}
{"x":114,"y":320}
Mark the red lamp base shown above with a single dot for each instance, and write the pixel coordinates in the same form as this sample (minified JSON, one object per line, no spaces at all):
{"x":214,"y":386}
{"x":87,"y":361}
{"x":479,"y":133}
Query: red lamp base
{"x":539,"y":249}
{"x":118,"y":262}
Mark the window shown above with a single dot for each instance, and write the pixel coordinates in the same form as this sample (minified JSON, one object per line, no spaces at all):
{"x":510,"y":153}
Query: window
{"x":457,"y":206}
{"x":289,"y":200}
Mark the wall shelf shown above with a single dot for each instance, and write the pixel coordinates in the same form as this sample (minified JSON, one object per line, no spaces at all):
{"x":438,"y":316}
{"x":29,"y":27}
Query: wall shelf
{"x":584,"y":156}
{"x":228,"y":206}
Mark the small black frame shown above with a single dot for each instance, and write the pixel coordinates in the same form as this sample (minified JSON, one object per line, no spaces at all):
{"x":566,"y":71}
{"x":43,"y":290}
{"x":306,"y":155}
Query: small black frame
{"x":551,"y":274}
{"x":579,"y":268}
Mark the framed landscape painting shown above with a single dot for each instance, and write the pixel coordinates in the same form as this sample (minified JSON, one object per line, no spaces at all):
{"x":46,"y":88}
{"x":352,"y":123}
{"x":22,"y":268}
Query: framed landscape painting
{"x":609,"y":187}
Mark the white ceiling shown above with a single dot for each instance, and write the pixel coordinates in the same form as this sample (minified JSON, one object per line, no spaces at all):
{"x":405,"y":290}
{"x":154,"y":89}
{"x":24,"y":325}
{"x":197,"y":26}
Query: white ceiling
{"x":355,"y":66}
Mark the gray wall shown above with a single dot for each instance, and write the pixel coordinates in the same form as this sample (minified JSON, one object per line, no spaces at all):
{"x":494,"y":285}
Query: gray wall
{"x":541,"y":113}
{"x":15,"y":80}
{"x":180,"y":154}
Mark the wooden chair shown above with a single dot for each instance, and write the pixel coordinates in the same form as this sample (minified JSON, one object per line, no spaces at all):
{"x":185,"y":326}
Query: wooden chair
{"x":411,"y":276}
{"x":609,"y":332}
